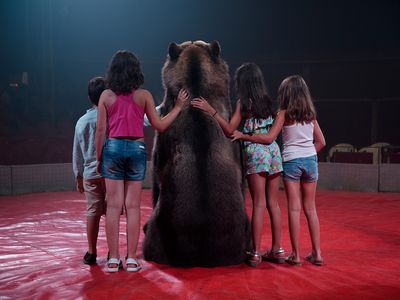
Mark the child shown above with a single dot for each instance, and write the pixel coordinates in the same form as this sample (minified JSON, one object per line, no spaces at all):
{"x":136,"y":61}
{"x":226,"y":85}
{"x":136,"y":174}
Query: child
{"x":121,"y":157}
{"x":84,"y":166}
{"x":263,"y":162}
{"x":302,"y":139}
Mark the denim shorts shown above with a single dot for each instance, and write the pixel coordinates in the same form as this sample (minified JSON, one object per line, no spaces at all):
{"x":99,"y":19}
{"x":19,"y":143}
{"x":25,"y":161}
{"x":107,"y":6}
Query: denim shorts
{"x":301,"y":169}
{"x":124,"y":159}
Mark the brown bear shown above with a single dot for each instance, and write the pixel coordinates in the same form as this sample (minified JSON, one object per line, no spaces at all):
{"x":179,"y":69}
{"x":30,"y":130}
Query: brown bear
{"x":199,"y":216}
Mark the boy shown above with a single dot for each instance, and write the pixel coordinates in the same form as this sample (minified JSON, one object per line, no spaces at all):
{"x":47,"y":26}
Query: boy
{"x":88,"y":181}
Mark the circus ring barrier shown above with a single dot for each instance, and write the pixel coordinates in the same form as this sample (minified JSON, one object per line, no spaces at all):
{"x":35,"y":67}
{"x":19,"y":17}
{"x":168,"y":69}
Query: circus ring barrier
{"x":23,"y":179}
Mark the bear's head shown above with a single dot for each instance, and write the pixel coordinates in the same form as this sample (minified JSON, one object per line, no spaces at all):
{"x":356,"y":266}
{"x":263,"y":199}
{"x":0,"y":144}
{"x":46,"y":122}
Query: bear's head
{"x":198,"y":67}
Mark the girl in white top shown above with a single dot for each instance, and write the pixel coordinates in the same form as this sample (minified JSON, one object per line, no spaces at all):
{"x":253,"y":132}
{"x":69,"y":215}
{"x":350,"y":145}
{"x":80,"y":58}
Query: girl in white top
{"x":302,"y":139}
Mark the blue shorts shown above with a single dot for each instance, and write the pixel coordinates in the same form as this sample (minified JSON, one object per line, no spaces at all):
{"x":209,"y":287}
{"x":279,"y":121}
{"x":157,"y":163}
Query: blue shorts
{"x":301,"y":169}
{"x":124,"y":159}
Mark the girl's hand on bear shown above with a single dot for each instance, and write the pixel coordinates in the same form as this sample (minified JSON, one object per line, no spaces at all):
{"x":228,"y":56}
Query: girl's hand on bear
{"x":237,"y":135}
{"x":182,"y":98}
{"x":203,"y":104}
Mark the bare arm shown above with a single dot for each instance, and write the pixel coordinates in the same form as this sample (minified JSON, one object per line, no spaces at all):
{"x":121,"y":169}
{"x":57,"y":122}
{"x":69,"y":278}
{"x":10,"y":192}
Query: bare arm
{"x":146,"y":121}
{"x":227,"y":127}
{"x":77,"y":156}
{"x":263,"y":138}
{"x":101,"y":129}
{"x":77,"y":163}
{"x":319,"y":139}
{"x":161,"y":124}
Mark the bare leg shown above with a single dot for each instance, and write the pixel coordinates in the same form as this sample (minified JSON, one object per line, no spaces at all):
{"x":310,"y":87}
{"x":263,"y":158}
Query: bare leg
{"x":293,"y":195}
{"x":92,"y":231}
{"x":115,"y":200}
{"x":257,"y":191}
{"x":133,"y":191}
{"x":274,"y":210}
{"x":309,"y":190}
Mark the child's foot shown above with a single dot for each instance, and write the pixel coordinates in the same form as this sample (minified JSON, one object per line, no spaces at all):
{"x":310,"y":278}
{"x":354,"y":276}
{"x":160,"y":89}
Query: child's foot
{"x":275,"y":256}
{"x":132,"y":265}
{"x":254,"y":259}
{"x":113,"y":265}
{"x":108,"y":256}
{"x":318,"y":261}
{"x":291,"y":260}
{"x":89,"y":258}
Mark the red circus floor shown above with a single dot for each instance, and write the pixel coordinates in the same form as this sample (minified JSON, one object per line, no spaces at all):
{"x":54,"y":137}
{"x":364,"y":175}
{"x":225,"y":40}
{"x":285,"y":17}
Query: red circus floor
{"x":42,"y":241}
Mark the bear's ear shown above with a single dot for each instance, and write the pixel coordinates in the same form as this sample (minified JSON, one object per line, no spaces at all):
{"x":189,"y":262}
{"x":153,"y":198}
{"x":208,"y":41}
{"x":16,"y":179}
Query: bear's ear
{"x":174,"y":51}
{"x":215,"y":49}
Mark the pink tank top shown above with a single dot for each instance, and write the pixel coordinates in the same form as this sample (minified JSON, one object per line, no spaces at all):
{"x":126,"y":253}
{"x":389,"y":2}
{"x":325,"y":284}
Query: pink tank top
{"x":125,"y":117}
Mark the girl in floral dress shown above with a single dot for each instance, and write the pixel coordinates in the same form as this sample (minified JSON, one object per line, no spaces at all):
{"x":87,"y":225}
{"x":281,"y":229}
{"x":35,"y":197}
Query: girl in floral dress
{"x":302,"y":139}
{"x":263,"y":161}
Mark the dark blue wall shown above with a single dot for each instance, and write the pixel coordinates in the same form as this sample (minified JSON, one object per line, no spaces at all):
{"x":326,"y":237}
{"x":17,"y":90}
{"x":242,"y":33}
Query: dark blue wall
{"x":344,"y":49}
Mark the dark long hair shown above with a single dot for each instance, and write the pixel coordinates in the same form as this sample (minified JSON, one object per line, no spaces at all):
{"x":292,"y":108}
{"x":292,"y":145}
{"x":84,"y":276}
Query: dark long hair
{"x":252,"y":92}
{"x":294,"y":96}
{"x":124,"y":73}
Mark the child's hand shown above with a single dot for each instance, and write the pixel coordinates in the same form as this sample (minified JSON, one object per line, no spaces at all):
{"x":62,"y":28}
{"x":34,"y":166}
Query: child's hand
{"x":237,"y":135}
{"x":182,"y":98}
{"x":203,"y":105}
{"x":98,"y":167}
{"x":79,"y":184}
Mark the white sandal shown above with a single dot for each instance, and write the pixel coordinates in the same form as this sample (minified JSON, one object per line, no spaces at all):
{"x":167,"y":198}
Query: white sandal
{"x":113,"y":261}
{"x":132,"y":261}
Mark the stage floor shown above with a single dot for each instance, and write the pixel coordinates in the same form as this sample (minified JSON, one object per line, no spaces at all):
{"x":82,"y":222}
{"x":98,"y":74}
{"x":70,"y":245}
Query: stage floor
{"x":43,"y":240}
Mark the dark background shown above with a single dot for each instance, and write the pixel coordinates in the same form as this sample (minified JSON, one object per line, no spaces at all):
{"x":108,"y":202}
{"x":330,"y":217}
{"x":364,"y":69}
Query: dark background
{"x":348,"y":52}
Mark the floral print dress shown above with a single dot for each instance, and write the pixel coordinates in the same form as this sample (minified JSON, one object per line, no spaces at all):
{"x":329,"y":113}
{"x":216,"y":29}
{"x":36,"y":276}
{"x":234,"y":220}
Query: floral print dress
{"x":261,"y":158}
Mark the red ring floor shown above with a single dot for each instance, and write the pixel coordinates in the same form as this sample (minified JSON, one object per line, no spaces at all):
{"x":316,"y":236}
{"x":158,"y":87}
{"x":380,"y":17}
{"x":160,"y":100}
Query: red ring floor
{"x":42,"y":242}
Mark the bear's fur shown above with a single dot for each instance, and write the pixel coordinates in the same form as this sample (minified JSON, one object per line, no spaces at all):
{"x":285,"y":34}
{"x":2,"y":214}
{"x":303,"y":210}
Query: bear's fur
{"x":199,"y":216}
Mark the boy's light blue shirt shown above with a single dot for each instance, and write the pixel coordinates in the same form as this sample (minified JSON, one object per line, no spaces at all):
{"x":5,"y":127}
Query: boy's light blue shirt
{"x":84,"y":152}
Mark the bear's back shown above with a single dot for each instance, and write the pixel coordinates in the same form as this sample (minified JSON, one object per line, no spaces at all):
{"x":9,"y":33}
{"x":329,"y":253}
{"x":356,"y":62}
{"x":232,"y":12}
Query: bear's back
{"x":199,"y":217}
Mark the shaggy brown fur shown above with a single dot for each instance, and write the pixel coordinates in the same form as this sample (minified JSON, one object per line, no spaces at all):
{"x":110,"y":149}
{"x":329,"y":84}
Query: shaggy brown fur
{"x":199,"y":217}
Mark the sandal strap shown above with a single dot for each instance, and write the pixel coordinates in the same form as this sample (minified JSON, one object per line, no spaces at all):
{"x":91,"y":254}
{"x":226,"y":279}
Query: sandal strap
{"x":253,"y":253}
{"x":311,"y":258}
{"x":278,"y":251}
{"x":113,"y":261}
{"x":132,"y":261}
{"x":274,"y":252}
